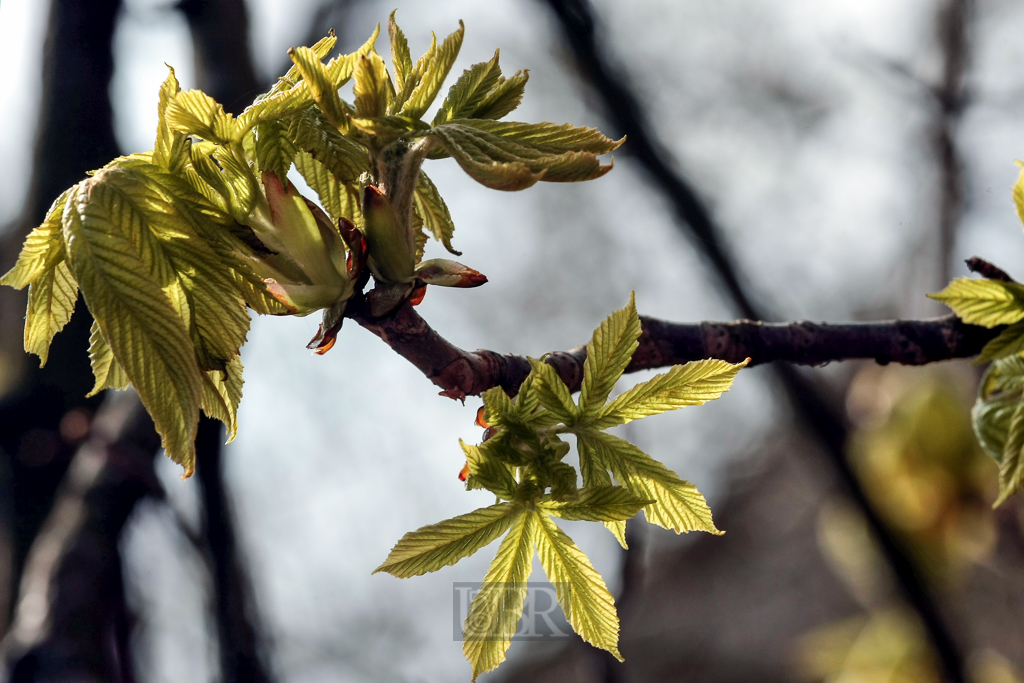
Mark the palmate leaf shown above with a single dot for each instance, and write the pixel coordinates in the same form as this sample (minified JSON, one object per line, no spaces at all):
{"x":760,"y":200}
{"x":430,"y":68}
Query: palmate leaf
{"x":610,"y":349}
{"x":496,"y":609}
{"x":680,"y":506}
{"x":145,"y":332}
{"x":582,"y":593}
{"x":439,"y":545}
{"x":43,"y":248}
{"x":984,"y":302}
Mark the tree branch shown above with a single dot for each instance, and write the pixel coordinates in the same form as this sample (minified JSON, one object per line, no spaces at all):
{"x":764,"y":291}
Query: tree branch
{"x":461,"y":373}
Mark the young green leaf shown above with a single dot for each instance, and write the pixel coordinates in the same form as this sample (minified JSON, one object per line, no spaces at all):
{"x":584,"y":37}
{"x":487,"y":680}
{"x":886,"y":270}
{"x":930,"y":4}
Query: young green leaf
{"x":171,"y":147}
{"x":582,"y":593}
{"x":321,"y":48}
{"x":193,"y":112}
{"x":400,"y":57}
{"x":338,"y":199}
{"x":105,"y":368}
{"x":51,"y":301}
{"x":43,"y":248}
{"x":549,"y":138}
{"x":222,"y":392}
{"x":692,"y":384}
{"x":313,"y":133}
{"x":504,"y":98}
{"x":608,"y":353}
{"x":505,"y":164}
{"x":599,"y":504}
{"x":275,"y":150}
{"x":434,"y":212}
{"x":496,"y":609}
{"x":321,"y":86}
{"x":435,"y":70}
{"x":371,"y":86}
{"x":468,"y":93}
{"x":1011,"y":469}
{"x":991,"y":421}
{"x":440,"y":545}
{"x":342,"y":67}
{"x":552,"y":392}
{"x":680,"y":506}
{"x":984,"y":302}
{"x":135,"y":316}
{"x":1010,"y":342}
{"x":488,"y":473}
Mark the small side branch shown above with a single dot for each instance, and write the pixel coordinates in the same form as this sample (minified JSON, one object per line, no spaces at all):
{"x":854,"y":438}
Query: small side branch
{"x":462,"y":373}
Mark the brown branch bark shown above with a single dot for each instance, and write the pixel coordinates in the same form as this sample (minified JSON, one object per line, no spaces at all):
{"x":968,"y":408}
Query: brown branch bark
{"x":461,"y":373}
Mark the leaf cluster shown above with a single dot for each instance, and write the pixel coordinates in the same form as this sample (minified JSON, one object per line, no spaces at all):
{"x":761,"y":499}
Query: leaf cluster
{"x":169,"y":248}
{"x":998,"y":413}
{"x":521,"y":461}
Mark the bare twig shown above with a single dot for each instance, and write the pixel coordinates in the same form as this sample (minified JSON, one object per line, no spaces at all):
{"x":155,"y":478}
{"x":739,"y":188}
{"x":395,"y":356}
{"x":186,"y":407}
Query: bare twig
{"x":461,"y":373}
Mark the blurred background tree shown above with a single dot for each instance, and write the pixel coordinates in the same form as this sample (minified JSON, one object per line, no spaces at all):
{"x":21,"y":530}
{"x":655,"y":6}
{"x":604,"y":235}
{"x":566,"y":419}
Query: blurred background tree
{"x":851,"y":156}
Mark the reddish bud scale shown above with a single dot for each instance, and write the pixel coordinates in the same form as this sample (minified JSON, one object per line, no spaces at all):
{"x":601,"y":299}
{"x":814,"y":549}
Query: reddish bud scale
{"x":481,"y":421}
{"x":464,"y":473}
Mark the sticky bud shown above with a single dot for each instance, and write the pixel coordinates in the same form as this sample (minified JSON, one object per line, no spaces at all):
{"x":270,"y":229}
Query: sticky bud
{"x":447,"y":273}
